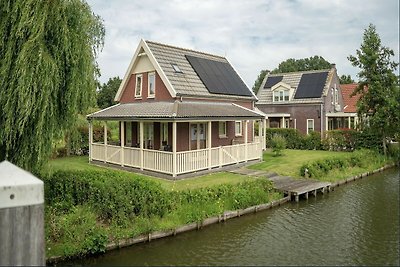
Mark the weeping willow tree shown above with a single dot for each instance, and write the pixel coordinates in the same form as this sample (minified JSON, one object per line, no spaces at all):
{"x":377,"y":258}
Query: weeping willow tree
{"x":48,"y":74}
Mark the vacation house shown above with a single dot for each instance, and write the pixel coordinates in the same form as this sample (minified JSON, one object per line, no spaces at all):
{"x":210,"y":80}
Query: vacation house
{"x":179,"y":111}
{"x":306,"y":100}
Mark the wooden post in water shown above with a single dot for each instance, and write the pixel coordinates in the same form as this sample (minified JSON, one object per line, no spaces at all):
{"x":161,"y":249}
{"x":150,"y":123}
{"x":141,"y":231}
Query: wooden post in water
{"x":21,"y":217}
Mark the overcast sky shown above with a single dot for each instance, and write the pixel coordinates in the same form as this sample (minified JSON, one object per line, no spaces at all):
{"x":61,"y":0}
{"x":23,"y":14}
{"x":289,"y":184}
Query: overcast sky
{"x":253,"y":35}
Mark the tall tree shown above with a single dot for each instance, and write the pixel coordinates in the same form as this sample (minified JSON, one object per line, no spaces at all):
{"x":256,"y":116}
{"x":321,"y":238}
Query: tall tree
{"x":303,"y":64}
{"x":259,"y":80}
{"x":378,"y":85}
{"x":107,"y":92}
{"x":346,"y":79}
{"x":48,"y":73}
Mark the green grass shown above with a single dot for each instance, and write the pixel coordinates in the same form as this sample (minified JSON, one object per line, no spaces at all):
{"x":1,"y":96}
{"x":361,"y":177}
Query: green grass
{"x":290,"y":162}
{"x":82,"y":163}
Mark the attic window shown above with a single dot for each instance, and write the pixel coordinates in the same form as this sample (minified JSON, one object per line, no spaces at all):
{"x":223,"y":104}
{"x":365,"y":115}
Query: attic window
{"x":176,"y":68}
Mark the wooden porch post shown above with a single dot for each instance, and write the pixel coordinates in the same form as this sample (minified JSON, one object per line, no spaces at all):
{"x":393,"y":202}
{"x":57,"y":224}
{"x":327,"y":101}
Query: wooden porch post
{"x":141,"y":139}
{"x":174,"y":167}
{"x":105,"y":141}
{"x":264,"y":141}
{"x":122,"y":142}
{"x":90,"y":139}
{"x":209,"y":137}
{"x":349,"y":121}
{"x":245,"y":139}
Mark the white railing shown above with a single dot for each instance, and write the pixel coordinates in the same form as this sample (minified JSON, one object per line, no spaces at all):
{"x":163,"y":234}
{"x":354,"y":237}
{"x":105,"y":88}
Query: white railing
{"x":131,"y":157}
{"x":159,"y":161}
{"x":97,"y":151}
{"x":186,"y":161}
{"x":189,"y":161}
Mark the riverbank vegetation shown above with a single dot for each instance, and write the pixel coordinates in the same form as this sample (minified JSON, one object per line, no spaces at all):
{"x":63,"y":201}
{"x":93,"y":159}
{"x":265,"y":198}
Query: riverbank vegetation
{"x":88,"y":208}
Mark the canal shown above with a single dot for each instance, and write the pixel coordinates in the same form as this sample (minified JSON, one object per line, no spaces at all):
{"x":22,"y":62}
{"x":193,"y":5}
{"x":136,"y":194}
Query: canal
{"x":357,"y":224}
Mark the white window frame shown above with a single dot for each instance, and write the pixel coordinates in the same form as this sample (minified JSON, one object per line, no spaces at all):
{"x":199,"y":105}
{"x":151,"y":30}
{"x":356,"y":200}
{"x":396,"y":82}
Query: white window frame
{"x":149,"y":95}
{"x":240,"y":127}
{"x":313,"y":125}
{"x":280,"y":95}
{"x":223,"y":134}
{"x":141,"y":85}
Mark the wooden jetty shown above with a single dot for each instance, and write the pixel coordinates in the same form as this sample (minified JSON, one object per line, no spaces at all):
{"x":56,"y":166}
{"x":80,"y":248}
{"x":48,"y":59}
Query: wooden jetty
{"x":289,"y":186}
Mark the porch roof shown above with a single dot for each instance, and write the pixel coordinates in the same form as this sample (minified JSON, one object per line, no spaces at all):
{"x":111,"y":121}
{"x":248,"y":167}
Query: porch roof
{"x":176,"y":111}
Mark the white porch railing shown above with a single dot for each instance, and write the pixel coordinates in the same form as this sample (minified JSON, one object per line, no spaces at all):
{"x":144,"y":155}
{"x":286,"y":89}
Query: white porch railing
{"x":186,"y":161}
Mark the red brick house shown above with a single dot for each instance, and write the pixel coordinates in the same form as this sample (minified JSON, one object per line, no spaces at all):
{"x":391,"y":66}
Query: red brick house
{"x":307,"y":100}
{"x":179,"y":111}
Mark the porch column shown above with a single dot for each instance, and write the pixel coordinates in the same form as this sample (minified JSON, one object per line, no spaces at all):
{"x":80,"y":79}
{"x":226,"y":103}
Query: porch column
{"x":105,"y":141}
{"x":141,"y":139}
{"x":283,"y":122}
{"x":295,"y":124}
{"x":264,"y":141}
{"x":174,"y":167}
{"x":122,"y":142}
{"x":245,"y":139}
{"x":90,"y":140}
{"x":349,"y":121}
{"x":209,"y":137}
{"x":326,"y":123}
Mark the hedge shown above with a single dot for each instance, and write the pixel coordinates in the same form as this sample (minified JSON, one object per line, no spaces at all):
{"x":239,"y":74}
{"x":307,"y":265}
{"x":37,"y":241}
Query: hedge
{"x":349,"y":140}
{"x":294,"y":139}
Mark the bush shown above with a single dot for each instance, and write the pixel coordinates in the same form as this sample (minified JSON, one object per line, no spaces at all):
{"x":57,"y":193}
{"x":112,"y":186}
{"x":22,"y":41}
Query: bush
{"x":278,"y":143}
{"x":294,"y":139}
{"x":349,"y":140}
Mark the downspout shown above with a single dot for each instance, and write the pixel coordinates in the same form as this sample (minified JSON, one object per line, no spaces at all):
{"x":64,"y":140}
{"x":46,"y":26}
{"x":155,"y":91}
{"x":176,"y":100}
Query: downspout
{"x":321,"y":120}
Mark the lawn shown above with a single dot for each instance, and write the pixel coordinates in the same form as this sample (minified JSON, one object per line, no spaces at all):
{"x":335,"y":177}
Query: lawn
{"x":290,"y":162}
{"x":82,"y":163}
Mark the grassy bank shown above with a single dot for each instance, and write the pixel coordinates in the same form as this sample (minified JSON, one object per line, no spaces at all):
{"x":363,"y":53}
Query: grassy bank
{"x":88,"y":207}
{"x":322,"y":165}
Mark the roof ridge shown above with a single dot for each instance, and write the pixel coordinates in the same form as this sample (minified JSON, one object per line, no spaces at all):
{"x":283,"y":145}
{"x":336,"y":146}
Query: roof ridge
{"x":298,"y":72}
{"x":186,"y":49}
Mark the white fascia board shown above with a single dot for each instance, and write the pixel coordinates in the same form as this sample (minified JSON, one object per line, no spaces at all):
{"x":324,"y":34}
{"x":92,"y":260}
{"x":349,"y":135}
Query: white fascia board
{"x":128,"y":72}
{"x":160,"y":71}
{"x":280,"y":84}
{"x":91,"y":114}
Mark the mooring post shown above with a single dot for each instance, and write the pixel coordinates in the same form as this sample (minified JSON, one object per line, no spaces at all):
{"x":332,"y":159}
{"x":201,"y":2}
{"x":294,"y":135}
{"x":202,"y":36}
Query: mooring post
{"x":306,"y":195}
{"x":21,"y":217}
{"x":297,"y":198}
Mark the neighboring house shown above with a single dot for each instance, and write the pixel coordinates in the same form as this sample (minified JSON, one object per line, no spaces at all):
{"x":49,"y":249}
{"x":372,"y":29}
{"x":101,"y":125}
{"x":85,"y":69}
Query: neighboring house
{"x":179,"y":111}
{"x":350,"y":106}
{"x":306,"y":100}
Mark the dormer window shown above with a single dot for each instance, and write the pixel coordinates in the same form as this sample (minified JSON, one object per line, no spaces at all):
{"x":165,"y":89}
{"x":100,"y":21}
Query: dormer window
{"x":139,"y":83}
{"x":176,"y":68}
{"x":281,"y":95}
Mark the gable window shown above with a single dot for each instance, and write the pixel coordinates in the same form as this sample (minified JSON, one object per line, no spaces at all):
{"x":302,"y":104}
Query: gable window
{"x":176,"y":68}
{"x":281,"y":95}
{"x":238,"y":128}
{"x":139,"y":83}
{"x":222,"y":129}
{"x":310,"y":125}
{"x":152,"y":84}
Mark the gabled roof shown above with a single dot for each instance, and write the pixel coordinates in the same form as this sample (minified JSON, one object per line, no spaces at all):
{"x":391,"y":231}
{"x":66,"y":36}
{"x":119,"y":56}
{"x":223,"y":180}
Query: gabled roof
{"x":350,"y":102}
{"x":308,"y":86}
{"x":176,"y":111}
{"x":214,"y":77}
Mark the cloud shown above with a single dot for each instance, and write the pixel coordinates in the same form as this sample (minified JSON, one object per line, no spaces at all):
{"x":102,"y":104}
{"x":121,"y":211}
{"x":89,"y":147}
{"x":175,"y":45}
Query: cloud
{"x":254,"y":35}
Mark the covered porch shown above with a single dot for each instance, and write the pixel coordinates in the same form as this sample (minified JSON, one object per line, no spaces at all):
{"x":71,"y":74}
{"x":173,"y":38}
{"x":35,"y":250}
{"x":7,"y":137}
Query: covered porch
{"x":180,"y":144}
{"x":341,"y":120}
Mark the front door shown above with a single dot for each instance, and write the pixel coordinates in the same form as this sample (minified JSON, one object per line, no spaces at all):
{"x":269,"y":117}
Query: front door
{"x":197,"y":136}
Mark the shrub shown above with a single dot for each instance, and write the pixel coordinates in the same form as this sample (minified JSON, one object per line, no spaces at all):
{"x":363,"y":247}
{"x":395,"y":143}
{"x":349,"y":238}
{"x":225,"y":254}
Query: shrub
{"x":278,"y":143}
{"x":292,"y":137}
{"x":349,"y":140}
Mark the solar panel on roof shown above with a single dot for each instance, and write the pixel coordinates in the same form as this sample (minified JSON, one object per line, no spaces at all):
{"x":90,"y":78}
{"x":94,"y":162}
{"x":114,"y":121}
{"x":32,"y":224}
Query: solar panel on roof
{"x":271,"y":81}
{"x":218,"y":77}
{"x":311,"y":85}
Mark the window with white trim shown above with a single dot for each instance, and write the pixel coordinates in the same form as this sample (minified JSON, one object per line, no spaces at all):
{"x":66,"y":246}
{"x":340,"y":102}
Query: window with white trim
{"x":238,"y":128}
{"x":151,"y":84}
{"x":281,"y":95}
{"x":310,"y":125}
{"x":139,"y":83}
{"x":222,"y":129}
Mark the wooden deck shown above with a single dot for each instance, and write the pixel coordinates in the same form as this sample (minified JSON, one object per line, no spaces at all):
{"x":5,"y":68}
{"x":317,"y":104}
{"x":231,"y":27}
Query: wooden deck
{"x":288,"y":185}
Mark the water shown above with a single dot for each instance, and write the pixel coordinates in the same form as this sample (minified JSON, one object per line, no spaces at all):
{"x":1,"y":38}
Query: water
{"x":357,"y":224}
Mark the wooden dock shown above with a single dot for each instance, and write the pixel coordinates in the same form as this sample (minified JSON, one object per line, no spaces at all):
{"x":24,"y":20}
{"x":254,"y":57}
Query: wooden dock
{"x":289,"y":186}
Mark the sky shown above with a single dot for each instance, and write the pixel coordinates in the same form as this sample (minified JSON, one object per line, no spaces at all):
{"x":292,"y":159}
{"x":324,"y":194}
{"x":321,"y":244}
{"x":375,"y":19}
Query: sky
{"x":252,"y":35}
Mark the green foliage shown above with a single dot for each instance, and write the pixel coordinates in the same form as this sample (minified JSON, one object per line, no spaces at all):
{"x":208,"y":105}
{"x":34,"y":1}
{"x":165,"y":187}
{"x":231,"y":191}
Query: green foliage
{"x":378,"y":85}
{"x":278,"y":144}
{"x":345,"y":79}
{"x":303,"y":64}
{"x":349,"y":140}
{"x":358,"y":158}
{"x":294,"y":139}
{"x":48,"y":73}
{"x":107,"y":92}
{"x":259,"y":80}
